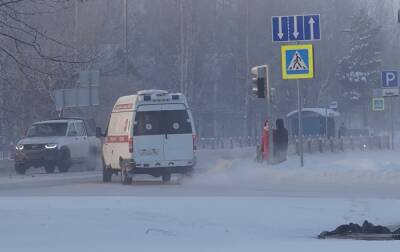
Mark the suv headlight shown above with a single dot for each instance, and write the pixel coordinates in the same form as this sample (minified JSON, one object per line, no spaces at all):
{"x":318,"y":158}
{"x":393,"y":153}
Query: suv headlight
{"x":19,"y":147}
{"x":50,"y":146}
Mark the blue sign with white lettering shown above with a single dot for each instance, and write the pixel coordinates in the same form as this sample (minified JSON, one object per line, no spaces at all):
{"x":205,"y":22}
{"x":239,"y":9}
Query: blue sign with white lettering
{"x":296,"y":28}
{"x":312,"y":29}
{"x":390,"y":79}
{"x":280,"y":29}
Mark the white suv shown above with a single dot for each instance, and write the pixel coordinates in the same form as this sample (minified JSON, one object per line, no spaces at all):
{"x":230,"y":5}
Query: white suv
{"x":58,"y":143}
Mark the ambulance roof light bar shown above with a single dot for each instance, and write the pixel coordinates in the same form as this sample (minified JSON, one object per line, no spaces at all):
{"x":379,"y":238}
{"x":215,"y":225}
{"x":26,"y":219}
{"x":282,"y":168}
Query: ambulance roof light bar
{"x":153,"y":92}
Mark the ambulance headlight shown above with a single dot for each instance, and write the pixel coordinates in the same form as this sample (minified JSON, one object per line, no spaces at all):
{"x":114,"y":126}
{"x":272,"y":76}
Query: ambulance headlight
{"x":19,"y":147}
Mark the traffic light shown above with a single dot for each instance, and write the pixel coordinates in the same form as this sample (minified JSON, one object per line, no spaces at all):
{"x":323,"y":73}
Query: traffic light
{"x":259,"y":80}
{"x":398,"y":16}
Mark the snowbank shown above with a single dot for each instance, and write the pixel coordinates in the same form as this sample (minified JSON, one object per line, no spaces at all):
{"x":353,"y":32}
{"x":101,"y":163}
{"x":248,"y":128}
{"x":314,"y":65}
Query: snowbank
{"x":186,"y":224}
{"x":369,"y":172}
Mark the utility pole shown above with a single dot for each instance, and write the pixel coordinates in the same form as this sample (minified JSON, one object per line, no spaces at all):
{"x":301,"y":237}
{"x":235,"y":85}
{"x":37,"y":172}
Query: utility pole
{"x":270,"y":116}
{"x":392,"y":120}
{"x":125,"y":15}
{"x":326,"y":122}
{"x":247,"y":63}
{"x":300,"y":117}
{"x":181,"y":47}
{"x":76,"y":17}
{"x":2,"y":114}
{"x":75,"y":32}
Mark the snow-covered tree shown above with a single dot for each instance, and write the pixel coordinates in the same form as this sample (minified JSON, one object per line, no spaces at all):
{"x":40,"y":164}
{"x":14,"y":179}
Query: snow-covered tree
{"x":359,"y":71}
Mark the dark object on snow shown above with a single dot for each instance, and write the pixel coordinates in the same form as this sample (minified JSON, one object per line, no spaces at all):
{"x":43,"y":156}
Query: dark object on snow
{"x":367,"y":231}
{"x":346,"y":229}
{"x":323,"y":235}
{"x":397,"y":231}
{"x":369,"y":228}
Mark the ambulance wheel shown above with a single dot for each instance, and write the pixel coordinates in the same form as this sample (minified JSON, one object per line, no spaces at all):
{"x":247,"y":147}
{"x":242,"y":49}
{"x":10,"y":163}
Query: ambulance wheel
{"x":125,"y":178}
{"x":107,"y":173}
{"x":166,"y":177}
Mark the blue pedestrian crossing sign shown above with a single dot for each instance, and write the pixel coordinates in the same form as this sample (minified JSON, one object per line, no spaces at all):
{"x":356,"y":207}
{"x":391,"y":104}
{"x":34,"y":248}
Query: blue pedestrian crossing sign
{"x":297,"y":62}
{"x":296,"y":28}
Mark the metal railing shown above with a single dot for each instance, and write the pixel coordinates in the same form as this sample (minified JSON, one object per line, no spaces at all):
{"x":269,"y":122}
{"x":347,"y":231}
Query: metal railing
{"x":311,"y":144}
{"x":322,"y":144}
{"x":7,"y":152}
{"x":227,"y":142}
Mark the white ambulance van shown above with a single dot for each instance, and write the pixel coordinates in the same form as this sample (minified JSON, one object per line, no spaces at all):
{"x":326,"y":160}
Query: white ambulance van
{"x":152,"y":133}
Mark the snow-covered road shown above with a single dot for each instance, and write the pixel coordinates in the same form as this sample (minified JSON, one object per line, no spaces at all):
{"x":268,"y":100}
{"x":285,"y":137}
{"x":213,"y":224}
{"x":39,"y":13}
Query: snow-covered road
{"x":233,"y":173}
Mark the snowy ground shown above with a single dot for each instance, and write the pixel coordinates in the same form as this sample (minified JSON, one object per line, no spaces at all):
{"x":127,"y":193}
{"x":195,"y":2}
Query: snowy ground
{"x":369,"y":174}
{"x":186,"y":224}
{"x":230,"y":204}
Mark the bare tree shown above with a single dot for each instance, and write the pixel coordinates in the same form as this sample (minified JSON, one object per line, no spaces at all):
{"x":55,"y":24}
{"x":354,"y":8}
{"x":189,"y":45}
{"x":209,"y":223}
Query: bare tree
{"x":32,"y":59}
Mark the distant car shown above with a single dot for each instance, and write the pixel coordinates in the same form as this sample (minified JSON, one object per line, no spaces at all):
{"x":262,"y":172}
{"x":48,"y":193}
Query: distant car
{"x":58,"y":143}
{"x":152,"y":133}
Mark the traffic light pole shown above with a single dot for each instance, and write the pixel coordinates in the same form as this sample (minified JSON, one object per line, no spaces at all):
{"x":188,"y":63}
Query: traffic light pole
{"x":392,"y":119}
{"x":300,"y":117}
{"x":269,"y":116}
{"x":262,"y":90}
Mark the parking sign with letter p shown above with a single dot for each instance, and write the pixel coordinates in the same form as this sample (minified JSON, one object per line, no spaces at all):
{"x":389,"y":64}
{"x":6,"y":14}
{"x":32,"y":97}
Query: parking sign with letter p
{"x":390,"y":79}
{"x":390,"y":83}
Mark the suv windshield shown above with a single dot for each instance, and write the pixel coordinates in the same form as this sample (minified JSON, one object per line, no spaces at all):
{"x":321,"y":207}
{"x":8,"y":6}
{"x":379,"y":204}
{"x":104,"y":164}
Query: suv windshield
{"x":47,"y":129}
{"x":162,"y":122}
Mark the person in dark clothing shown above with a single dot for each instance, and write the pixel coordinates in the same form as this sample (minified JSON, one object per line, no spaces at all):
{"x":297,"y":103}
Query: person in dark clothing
{"x":281,"y":141}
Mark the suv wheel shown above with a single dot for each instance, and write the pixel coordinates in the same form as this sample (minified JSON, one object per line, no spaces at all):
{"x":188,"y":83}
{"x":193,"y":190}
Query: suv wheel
{"x":49,"y":168}
{"x":107,"y":173}
{"x":20,"y":169}
{"x":65,"y":162}
{"x":166,"y":177}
